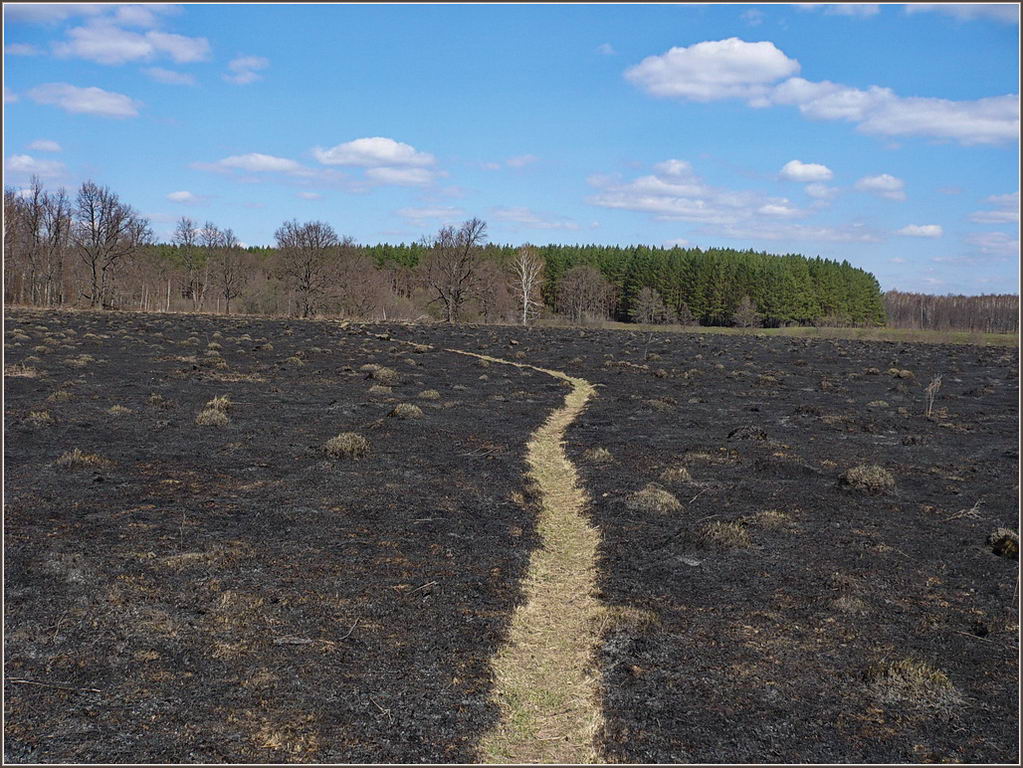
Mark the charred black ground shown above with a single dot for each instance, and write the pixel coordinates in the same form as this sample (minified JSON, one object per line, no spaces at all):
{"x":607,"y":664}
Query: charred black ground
{"x":233,"y":594}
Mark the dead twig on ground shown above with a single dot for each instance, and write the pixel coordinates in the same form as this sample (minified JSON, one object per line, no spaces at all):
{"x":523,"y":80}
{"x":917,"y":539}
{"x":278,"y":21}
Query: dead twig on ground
{"x":23,"y":681}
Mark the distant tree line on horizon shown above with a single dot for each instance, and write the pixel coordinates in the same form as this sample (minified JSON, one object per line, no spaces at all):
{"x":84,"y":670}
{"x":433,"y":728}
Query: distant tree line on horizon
{"x":93,"y":250}
{"x":990,"y":313}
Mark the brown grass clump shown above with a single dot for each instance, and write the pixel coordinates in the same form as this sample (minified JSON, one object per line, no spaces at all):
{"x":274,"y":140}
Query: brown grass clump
{"x":421,"y":348}
{"x":211,"y":417}
{"x":598,"y":455}
{"x":676,"y":475}
{"x":379,"y":389}
{"x":915,"y":683}
{"x":406,"y":411}
{"x":297,"y":362}
{"x":76,"y":459}
{"x":118,"y":410}
{"x":20,"y":371}
{"x":347,"y":445}
{"x":629,"y":619}
{"x":429,"y":394}
{"x":160,"y":401}
{"x":653,"y":498}
{"x":770,"y":518}
{"x":38,"y":419}
{"x":60,"y":396}
{"x":848,"y":604}
{"x":730,"y":535}
{"x":1005,"y":543}
{"x":869,"y":478}
{"x":386,"y":376}
{"x":219,"y":403}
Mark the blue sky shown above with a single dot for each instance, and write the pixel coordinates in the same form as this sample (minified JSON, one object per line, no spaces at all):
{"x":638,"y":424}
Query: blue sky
{"x":887,"y":135}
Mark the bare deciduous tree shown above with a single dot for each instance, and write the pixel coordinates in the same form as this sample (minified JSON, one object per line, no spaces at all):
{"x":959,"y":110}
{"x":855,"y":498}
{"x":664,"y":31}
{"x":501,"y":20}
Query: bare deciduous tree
{"x":648,"y":308}
{"x":528,"y":268}
{"x":186,"y":238}
{"x":229,"y":267}
{"x":584,"y":294}
{"x":308,"y":255}
{"x":106,"y":232}
{"x":746,"y":315}
{"x":450,"y":268}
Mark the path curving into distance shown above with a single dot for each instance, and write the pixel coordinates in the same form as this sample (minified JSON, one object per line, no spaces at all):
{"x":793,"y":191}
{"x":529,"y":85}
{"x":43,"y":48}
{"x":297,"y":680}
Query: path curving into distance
{"x":545,"y":679}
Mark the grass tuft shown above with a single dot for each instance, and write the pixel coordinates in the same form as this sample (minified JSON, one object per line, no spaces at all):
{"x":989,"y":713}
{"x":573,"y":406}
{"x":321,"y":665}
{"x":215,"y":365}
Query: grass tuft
{"x":653,"y":498}
{"x":76,"y":459}
{"x":406,"y":411}
{"x":869,"y":478}
{"x":211,"y":417}
{"x":347,"y":445}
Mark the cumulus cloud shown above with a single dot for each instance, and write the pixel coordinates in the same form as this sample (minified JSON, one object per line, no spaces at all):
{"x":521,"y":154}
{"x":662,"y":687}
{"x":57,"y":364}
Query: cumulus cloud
{"x":678,"y":242}
{"x":606,"y":49}
{"x":921,"y":230}
{"x":820,"y":191}
{"x":1005,"y":211}
{"x":45,"y":145}
{"x":107,"y":43}
{"x":372,"y":152}
{"x":402,"y":177}
{"x":521,"y":161}
{"x":169,"y":76}
{"x":185,"y":197}
{"x":86,"y":101}
{"x":995,"y":243}
{"x":26,"y":165}
{"x":530,"y":219}
{"x":443,"y":214}
{"x":883,"y":185}
{"x":246,"y":69}
{"x":310,"y":195}
{"x":763,"y":76}
{"x":794,"y":170}
{"x":256,"y":162}
{"x":862,"y":10}
{"x":799,"y":232}
{"x":713,"y":70}
{"x":675,"y":193}
{"x":1004,"y":12}
{"x":21,"y":49}
{"x":48,"y":13}
{"x":752,"y":17}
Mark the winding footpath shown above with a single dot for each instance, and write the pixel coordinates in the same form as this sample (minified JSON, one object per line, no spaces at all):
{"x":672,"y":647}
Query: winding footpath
{"x":545,"y":678}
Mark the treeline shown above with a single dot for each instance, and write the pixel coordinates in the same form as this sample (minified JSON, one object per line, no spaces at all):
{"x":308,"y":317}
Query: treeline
{"x":994,"y":313}
{"x":94,"y":250}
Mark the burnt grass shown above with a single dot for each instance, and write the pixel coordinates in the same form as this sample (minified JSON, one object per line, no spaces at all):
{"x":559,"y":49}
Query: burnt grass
{"x":234,"y":595}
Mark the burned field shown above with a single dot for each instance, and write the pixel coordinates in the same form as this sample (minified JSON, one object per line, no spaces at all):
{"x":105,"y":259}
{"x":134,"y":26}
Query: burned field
{"x":796,"y":561}
{"x":226,"y":590}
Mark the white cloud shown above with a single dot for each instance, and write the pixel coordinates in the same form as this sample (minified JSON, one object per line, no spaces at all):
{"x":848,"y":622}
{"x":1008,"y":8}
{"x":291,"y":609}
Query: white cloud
{"x":735,"y":69}
{"x":820,"y":191}
{"x":1004,"y":12}
{"x":713,"y":70}
{"x":245,"y":69}
{"x":531,"y":219}
{"x":10,"y":97}
{"x":921,"y":230}
{"x":310,"y":195}
{"x":21,"y":49}
{"x":26,"y":165}
{"x":373,"y":152}
{"x":169,"y":76}
{"x":489,"y":166}
{"x":256,"y":162}
{"x":675,"y":193}
{"x":752,"y":17}
{"x":47,"y":13}
{"x":402,"y":177}
{"x":87,"y":101}
{"x":995,"y":243}
{"x":106,"y":43}
{"x":606,"y":49}
{"x":521,"y":161}
{"x":185,"y":197}
{"x":444,"y":214}
{"x":1006,"y":210}
{"x":678,"y":242}
{"x":862,"y":10}
{"x":45,"y":145}
{"x":794,"y":170}
{"x":797,"y":232}
{"x":883,"y":185}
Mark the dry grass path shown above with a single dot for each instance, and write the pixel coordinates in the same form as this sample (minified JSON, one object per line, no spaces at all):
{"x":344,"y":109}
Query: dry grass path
{"x":545,"y":678}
